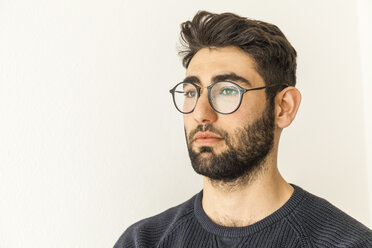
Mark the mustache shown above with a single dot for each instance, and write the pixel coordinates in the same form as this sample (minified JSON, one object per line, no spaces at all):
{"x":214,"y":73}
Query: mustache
{"x":207,"y":127}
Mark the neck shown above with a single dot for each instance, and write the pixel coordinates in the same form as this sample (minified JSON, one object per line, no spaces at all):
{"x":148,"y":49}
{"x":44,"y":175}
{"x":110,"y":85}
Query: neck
{"x":243,"y":203}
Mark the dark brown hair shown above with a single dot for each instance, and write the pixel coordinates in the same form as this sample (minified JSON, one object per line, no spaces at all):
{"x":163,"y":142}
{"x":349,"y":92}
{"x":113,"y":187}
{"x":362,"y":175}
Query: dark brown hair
{"x":274,"y":56}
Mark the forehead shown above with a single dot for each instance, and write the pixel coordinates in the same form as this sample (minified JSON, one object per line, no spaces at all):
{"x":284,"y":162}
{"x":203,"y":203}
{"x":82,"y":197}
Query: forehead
{"x":210,"y":62}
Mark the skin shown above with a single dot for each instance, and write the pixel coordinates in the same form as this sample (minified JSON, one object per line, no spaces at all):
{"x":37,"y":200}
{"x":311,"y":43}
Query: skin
{"x":240,"y":203}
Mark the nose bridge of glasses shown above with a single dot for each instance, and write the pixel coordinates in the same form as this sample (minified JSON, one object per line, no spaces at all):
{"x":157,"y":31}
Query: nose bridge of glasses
{"x":203,"y":91}
{"x":203,"y":97}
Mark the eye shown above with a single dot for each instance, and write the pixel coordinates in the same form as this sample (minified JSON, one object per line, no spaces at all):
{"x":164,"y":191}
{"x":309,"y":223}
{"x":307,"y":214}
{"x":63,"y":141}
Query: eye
{"x":229,"y":92}
{"x":190,"y":93}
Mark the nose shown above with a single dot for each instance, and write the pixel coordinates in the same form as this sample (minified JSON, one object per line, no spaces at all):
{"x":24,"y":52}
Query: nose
{"x":203,"y":112}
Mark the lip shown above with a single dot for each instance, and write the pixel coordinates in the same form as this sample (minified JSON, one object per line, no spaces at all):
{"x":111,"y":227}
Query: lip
{"x":206,"y":138}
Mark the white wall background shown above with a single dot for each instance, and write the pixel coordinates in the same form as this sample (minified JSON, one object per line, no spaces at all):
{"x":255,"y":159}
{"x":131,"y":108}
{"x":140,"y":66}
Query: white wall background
{"x":90,"y":141}
{"x":365,"y":34}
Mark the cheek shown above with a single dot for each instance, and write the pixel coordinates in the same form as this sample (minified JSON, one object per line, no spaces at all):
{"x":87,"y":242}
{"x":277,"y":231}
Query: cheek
{"x":189,"y":124}
{"x":186,"y":120}
{"x":251,"y":108}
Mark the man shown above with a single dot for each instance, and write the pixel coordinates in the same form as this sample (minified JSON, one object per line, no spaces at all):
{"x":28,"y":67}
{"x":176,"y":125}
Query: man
{"x":238,"y":95}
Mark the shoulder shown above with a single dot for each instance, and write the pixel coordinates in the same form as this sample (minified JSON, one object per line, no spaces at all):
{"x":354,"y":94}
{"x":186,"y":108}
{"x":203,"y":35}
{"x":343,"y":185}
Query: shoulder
{"x":150,"y":231}
{"x":324,"y":224}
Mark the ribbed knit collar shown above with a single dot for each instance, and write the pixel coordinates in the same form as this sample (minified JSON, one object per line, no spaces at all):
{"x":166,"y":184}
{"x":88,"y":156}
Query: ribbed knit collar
{"x":232,"y":232}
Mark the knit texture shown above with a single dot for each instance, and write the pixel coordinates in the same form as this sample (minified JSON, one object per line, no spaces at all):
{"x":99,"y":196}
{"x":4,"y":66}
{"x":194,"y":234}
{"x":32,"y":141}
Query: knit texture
{"x":305,"y":220}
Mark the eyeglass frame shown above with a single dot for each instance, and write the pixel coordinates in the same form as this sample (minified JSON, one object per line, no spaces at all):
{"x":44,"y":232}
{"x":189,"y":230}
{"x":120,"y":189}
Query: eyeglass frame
{"x":242,"y":91}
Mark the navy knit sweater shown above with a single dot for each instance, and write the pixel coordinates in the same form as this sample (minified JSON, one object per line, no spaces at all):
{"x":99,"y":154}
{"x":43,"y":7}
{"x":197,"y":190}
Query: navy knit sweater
{"x":305,"y":220}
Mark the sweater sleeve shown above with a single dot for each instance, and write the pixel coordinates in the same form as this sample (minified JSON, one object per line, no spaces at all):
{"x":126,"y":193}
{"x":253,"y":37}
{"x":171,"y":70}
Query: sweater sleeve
{"x":128,"y":239}
{"x":150,"y":231}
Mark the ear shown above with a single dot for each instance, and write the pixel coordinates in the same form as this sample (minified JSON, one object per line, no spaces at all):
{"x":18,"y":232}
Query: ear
{"x":287,"y":103}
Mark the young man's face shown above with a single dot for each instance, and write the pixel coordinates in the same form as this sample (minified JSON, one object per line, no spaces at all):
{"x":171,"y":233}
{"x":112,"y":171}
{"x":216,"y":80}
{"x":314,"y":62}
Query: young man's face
{"x":233,"y":145}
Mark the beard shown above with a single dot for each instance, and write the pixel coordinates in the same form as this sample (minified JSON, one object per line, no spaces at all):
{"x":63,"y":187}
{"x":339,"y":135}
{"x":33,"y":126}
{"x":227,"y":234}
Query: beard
{"x":246,"y":150}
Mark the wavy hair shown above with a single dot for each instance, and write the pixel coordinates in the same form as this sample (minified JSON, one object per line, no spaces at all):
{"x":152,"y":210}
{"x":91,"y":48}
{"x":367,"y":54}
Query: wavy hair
{"x":274,"y":56}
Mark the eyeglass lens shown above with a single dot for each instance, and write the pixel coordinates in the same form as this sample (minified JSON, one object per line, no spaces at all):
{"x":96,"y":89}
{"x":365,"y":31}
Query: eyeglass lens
{"x":224,"y":97}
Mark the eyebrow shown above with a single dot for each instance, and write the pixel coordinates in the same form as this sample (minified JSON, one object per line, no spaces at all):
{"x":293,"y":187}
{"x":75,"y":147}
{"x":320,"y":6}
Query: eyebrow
{"x":219,"y":78}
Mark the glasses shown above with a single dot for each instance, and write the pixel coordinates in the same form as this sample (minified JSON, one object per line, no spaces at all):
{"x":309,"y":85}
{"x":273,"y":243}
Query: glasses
{"x":224,"y":97}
